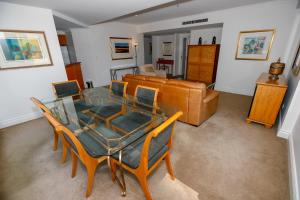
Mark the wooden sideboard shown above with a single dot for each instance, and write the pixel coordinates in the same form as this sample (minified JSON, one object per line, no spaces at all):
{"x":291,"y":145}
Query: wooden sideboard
{"x":267,"y":100}
{"x":202,"y":63}
{"x":74,"y":73}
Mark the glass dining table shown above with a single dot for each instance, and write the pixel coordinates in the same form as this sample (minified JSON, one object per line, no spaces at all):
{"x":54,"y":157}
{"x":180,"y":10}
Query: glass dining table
{"x":83,"y":116}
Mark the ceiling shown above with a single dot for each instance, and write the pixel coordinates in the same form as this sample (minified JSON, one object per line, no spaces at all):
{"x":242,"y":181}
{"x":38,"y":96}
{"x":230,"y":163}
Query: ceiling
{"x":92,"y":11}
{"x":185,"y":9}
{"x":89,"y":12}
{"x":64,"y":25}
{"x":183,"y":30}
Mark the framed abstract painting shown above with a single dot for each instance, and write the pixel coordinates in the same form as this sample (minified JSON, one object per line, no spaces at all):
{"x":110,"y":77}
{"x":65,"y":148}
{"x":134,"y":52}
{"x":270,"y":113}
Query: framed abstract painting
{"x":20,"y":49}
{"x":296,"y":63}
{"x":254,"y":45}
{"x":167,"y":48}
{"x":121,"y":48}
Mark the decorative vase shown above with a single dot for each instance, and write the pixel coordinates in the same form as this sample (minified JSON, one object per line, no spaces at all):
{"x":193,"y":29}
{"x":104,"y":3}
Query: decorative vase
{"x":276,"y":68}
{"x":200,"y":41}
{"x":214,"y":40}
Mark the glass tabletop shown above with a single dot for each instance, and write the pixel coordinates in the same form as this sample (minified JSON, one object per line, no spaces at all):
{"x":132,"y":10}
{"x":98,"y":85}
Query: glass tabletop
{"x":107,"y":119}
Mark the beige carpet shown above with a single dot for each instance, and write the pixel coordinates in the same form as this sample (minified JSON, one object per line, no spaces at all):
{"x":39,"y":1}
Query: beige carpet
{"x":223,"y":159}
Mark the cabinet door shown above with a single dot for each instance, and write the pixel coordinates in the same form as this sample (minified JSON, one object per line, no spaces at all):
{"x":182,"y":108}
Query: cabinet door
{"x":193,"y":72}
{"x":74,"y":73}
{"x":207,"y":54}
{"x":193,"y":63}
{"x":266,"y":104}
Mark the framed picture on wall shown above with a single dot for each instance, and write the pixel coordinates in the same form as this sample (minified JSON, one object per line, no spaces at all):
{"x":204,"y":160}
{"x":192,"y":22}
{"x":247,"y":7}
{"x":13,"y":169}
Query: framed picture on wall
{"x":20,"y":49}
{"x":254,"y":45}
{"x":121,"y":48}
{"x":167,"y":48}
{"x":296,"y":63}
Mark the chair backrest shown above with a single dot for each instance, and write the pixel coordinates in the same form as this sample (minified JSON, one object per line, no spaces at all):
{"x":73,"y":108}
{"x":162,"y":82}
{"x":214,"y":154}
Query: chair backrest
{"x":146,"y":96}
{"x":118,"y":88}
{"x":39,"y":104}
{"x":162,"y":135}
{"x":66,"y":88}
{"x":68,"y":135}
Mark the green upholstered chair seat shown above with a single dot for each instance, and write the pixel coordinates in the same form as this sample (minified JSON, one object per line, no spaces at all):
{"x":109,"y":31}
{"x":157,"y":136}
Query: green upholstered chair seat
{"x":80,"y":106}
{"x":85,"y":118}
{"x":107,"y":110}
{"x":73,"y":126}
{"x":91,"y":140}
{"x":132,"y":153}
{"x":91,"y":145}
{"x":131,"y":121}
{"x":157,"y":148}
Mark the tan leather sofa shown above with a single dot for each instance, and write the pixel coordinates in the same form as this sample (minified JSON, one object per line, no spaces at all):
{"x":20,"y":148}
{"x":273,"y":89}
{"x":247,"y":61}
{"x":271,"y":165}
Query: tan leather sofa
{"x":195,"y":101}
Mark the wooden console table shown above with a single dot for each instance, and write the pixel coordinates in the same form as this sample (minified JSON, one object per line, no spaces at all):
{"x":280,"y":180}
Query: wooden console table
{"x":267,"y":100}
{"x":165,"y":64}
{"x":113,"y":71}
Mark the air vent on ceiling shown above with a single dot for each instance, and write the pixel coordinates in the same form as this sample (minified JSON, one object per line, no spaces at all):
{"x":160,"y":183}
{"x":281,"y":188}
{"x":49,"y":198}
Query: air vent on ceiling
{"x":195,"y":21}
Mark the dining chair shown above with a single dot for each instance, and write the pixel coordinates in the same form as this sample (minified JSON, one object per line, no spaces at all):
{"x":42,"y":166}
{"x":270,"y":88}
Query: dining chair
{"x":143,"y":157}
{"x":56,"y":134}
{"x":84,"y":146}
{"x":145,"y":97}
{"x":70,"y":88}
{"x":112,"y":110}
{"x":44,"y":109}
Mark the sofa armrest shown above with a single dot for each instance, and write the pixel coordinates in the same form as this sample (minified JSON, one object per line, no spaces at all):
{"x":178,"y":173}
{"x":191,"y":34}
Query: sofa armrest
{"x":148,"y":73}
{"x":210,"y":105}
{"x":210,"y":95}
{"x":161,"y":73}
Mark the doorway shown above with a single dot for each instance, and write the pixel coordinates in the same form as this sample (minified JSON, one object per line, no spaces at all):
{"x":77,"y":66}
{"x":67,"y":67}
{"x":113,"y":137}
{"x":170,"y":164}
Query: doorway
{"x":183,"y":42}
{"x":147,"y":49}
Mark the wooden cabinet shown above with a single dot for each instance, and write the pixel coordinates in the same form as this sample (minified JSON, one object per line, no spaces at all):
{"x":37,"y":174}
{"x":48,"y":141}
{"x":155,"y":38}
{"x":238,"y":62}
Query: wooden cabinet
{"x":267,"y":100}
{"x":74,"y":73}
{"x":62,"y":40}
{"x":202,"y":63}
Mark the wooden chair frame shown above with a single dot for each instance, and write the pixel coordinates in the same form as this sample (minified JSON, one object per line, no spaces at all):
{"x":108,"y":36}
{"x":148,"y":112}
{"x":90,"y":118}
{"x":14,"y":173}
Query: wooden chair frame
{"x":57,"y":83}
{"x":124,"y":89}
{"x":107,"y":120}
{"x":56,"y":133}
{"x":115,"y":128}
{"x":41,"y":106}
{"x":156,"y":90}
{"x":88,"y":161}
{"x":143,"y":170}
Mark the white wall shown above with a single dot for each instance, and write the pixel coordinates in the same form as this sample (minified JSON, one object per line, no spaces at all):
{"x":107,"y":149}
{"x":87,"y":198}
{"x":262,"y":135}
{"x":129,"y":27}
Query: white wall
{"x":207,"y":35}
{"x":147,"y":55}
{"x":18,"y":85}
{"x":294,"y":159}
{"x":92,"y":46}
{"x":291,"y":106}
{"x":239,"y":76}
{"x":157,"y":42}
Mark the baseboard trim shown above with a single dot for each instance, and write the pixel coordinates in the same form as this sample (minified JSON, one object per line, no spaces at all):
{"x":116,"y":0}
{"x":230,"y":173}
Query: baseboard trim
{"x":294,"y":192}
{"x":283,"y":134}
{"x":19,"y":119}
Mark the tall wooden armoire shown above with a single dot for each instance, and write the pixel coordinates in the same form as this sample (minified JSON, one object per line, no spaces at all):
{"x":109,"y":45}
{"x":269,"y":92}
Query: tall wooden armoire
{"x":202,"y":63}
